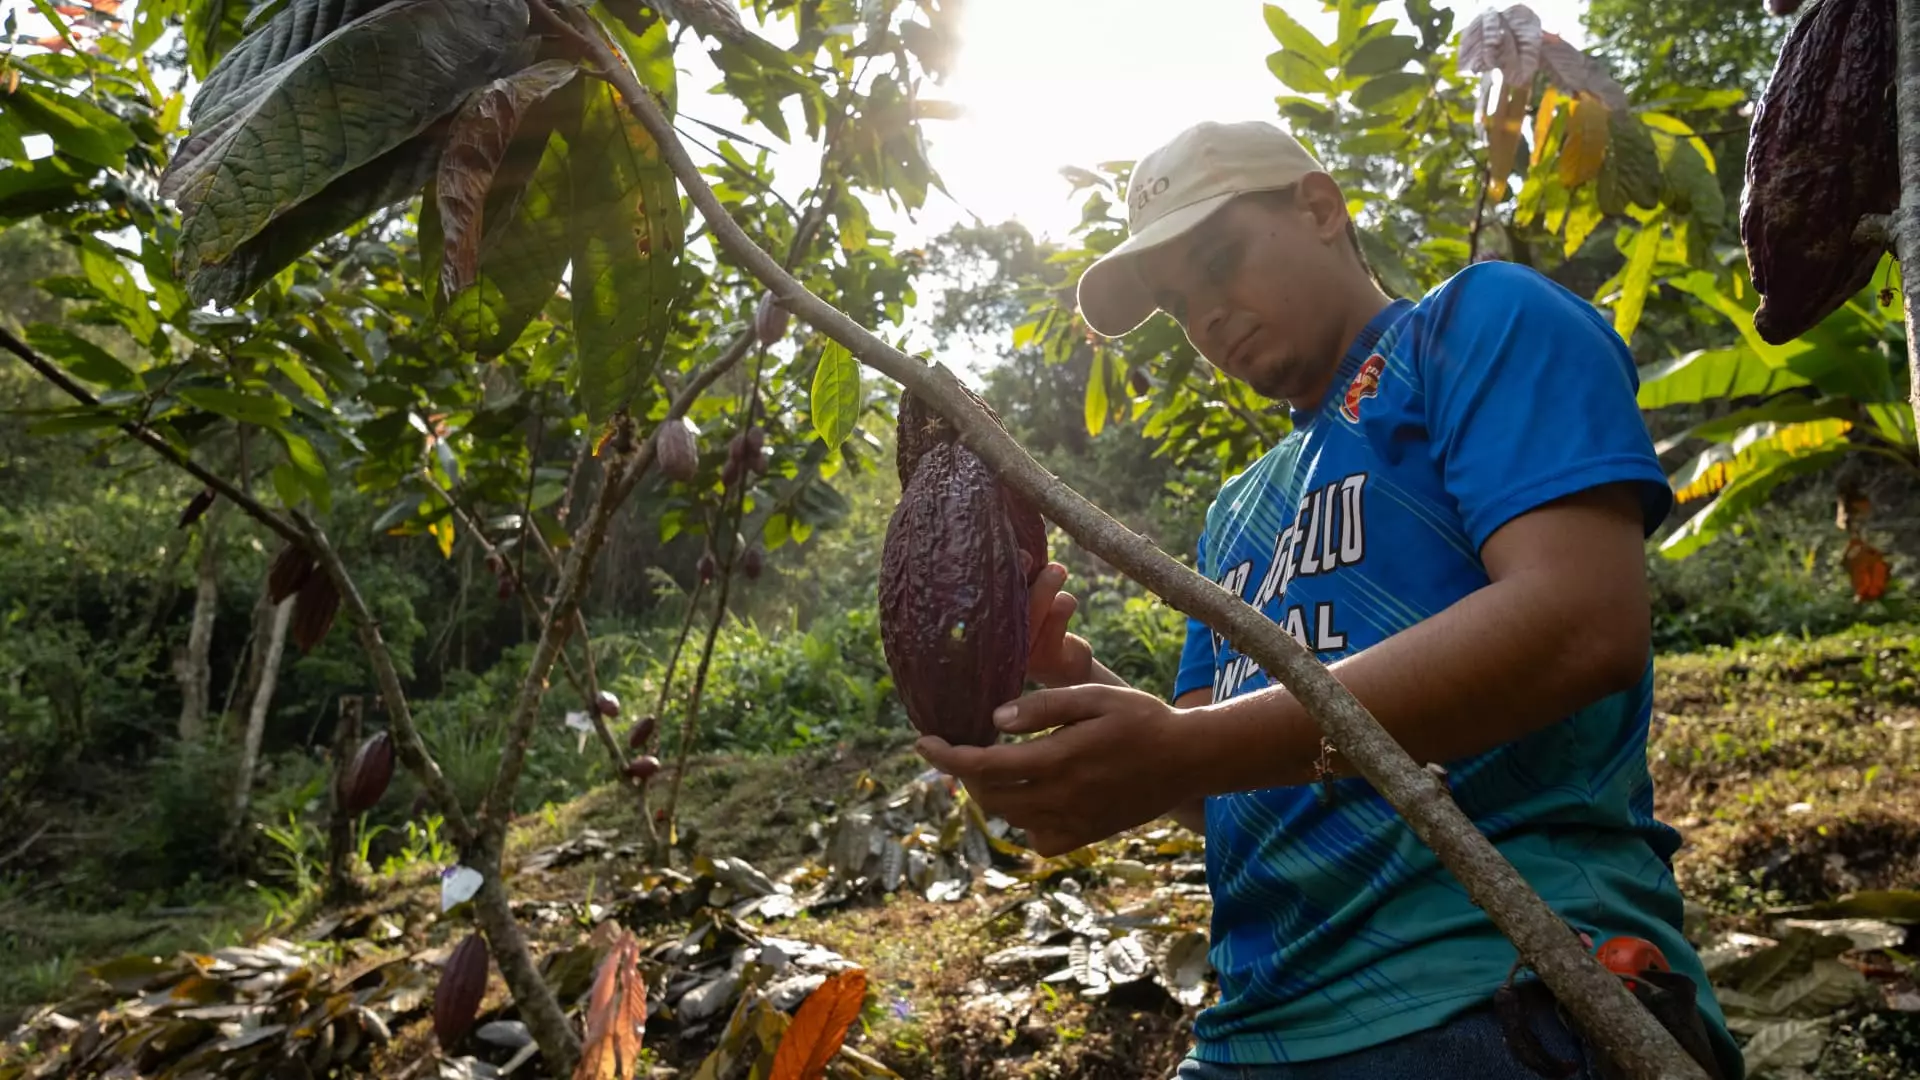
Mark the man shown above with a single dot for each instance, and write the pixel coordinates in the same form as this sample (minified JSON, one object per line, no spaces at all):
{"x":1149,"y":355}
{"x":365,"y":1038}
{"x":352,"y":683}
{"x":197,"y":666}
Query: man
{"x":1456,"y":525}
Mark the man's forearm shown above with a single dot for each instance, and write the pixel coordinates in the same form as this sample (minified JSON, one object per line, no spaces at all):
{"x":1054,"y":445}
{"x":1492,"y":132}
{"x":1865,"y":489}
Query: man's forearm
{"x":1492,"y":668}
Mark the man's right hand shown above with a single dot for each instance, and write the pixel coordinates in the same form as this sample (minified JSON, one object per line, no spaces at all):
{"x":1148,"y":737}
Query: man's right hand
{"x":1057,"y":658}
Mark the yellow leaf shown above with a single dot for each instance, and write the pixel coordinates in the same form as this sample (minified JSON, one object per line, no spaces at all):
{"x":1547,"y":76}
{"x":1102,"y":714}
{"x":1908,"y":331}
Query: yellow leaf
{"x":1543,"y":121}
{"x":443,"y":531}
{"x":1586,"y":145}
{"x":1503,"y":139}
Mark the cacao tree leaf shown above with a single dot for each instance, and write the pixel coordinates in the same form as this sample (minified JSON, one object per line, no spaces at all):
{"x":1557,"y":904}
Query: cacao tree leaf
{"x":1577,"y":73}
{"x":261,"y":410}
{"x":82,"y":357}
{"x":442,"y":531}
{"x":1381,"y":56}
{"x":1296,"y":38}
{"x":1831,"y":985}
{"x":1509,"y":40}
{"x":649,"y":53}
{"x":1503,"y":137}
{"x":1634,"y":161}
{"x":1690,"y":187}
{"x":626,"y":231}
{"x":481,"y":134}
{"x":820,"y":1026}
{"x":1096,"y":402}
{"x":38,"y":187}
{"x":1583,"y":216}
{"x":389,"y":179}
{"x":1299,"y":73}
{"x":274,"y":31}
{"x":384,"y":78}
{"x":1544,"y":115}
{"x":1789,"y":1044}
{"x":76,"y":126}
{"x":1386,"y":93}
{"x":1892,"y":905}
{"x":1636,"y":279}
{"x":1586,"y":145}
{"x":1712,"y":374}
{"x":837,"y":395}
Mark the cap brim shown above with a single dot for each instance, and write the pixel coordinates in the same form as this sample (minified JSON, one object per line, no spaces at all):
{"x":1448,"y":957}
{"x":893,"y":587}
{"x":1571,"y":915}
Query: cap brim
{"x":1114,"y":300}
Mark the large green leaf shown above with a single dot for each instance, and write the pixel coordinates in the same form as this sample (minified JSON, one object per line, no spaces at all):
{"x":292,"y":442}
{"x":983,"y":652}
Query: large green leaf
{"x":1394,"y":90}
{"x":388,"y":179}
{"x":284,"y":136}
{"x":1755,"y":448}
{"x":262,"y":410}
{"x":1096,"y":402}
{"x":649,"y":53}
{"x":1297,"y":39}
{"x":837,"y":397}
{"x":1712,"y":374}
{"x":76,"y":126}
{"x":1689,"y":185}
{"x":1636,"y":279}
{"x":291,"y":28}
{"x":1381,"y":56}
{"x":626,"y":232}
{"x":481,"y":137}
{"x":82,"y":357}
{"x":1299,"y":73}
{"x":37,"y":187}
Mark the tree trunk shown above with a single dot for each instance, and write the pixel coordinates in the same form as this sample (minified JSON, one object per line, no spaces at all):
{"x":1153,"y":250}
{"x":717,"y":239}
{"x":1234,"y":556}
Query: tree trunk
{"x":257,"y":720}
{"x":346,"y":740}
{"x":194,"y":669}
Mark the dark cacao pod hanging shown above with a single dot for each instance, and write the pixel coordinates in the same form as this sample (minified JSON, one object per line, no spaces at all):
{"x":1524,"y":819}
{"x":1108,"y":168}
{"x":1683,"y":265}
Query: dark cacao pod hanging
{"x":676,"y":450}
{"x":290,"y":570}
{"x":920,"y":428}
{"x":313,"y":610}
{"x":368,"y":775}
{"x":608,"y":704}
{"x":731,"y":472}
{"x":707,"y":567}
{"x":953,"y":603}
{"x":643,"y":767}
{"x":196,"y":507}
{"x":463,"y":983}
{"x":769,"y":320}
{"x":642,"y":732}
{"x":504,"y":588}
{"x":1824,"y":153}
{"x":751,"y":562}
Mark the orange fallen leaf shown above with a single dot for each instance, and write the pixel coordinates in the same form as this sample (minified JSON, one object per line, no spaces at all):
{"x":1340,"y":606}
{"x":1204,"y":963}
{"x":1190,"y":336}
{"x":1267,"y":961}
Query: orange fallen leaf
{"x":820,"y":1027}
{"x":1868,"y":570}
{"x":616,"y":1016}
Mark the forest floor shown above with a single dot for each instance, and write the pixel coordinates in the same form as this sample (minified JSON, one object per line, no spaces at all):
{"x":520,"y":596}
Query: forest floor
{"x":1791,"y":767}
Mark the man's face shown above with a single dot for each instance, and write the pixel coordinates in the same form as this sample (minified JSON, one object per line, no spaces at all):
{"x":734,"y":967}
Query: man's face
{"x":1257,"y":287}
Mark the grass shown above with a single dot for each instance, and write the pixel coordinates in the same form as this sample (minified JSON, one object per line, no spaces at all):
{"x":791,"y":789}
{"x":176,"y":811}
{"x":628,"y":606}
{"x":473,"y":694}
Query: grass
{"x":1791,"y":767}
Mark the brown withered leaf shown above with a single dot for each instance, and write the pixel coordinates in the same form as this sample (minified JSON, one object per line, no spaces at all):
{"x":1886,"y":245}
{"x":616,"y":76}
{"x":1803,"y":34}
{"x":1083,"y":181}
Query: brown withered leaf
{"x":313,"y":611}
{"x":820,"y":1026}
{"x":290,"y":571}
{"x":616,"y":1016}
{"x":478,"y":142}
{"x":196,"y":507}
{"x":1575,"y":72}
{"x":1868,"y":570}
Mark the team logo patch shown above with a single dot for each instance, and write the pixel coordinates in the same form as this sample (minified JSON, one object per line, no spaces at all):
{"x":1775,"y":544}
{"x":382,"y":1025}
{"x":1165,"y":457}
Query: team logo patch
{"x":1365,"y":384}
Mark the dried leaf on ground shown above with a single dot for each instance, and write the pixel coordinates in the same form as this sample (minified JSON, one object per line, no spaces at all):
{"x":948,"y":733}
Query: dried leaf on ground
{"x":616,"y":1016}
{"x":820,"y":1027}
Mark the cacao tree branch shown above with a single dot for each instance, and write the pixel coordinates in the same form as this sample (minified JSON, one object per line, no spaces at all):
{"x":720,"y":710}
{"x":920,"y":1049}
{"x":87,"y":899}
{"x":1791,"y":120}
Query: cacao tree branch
{"x":1875,"y":229}
{"x":1605,"y":1012}
{"x":407,"y":744}
{"x":153,"y":440}
{"x":1905,"y":224}
{"x":546,"y":1021}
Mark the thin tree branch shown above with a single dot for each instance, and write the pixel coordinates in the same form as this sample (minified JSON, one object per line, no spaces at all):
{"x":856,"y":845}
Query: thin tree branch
{"x":407,"y":742}
{"x":1906,"y":220}
{"x":1609,"y":1016}
{"x":53,"y":374}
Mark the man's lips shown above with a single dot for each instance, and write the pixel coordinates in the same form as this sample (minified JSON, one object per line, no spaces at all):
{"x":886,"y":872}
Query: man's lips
{"x":1234,"y":350}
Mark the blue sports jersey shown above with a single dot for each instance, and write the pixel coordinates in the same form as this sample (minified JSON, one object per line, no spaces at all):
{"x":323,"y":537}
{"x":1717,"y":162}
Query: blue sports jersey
{"x":1334,"y":927}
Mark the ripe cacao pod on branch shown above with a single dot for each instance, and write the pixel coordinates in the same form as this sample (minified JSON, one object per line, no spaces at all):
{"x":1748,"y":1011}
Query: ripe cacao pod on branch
{"x":642,"y":732}
{"x":463,"y":983}
{"x":920,"y":428}
{"x":290,"y":570}
{"x":368,"y":775}
{"x":676,"y":451}
{"x":1824,"y":153}
{"x":643,"y":767}
{"x":953,"y":600}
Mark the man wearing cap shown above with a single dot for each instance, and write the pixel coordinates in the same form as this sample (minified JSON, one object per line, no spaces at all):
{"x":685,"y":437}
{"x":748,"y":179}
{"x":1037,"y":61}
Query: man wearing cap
{"x":1456,"y":525}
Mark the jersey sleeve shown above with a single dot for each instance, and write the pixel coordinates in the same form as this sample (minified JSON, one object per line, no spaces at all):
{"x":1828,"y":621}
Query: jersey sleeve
{"x":1530,"y":397}
{"x":1196,"y":656}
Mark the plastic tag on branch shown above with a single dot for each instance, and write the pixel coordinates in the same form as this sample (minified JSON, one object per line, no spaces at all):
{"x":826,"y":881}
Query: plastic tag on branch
{"x":458,"y":884}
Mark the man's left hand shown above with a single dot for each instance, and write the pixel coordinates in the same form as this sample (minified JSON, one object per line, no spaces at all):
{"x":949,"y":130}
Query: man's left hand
{"x":1114,"y":761}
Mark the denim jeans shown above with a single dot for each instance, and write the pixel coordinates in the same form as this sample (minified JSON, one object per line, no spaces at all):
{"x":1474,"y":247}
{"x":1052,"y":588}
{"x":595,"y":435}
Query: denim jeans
{"x":1471,"y":1046}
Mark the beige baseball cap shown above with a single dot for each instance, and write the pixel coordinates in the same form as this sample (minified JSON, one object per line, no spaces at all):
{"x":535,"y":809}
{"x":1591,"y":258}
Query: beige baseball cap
{"x":1175,"y":188}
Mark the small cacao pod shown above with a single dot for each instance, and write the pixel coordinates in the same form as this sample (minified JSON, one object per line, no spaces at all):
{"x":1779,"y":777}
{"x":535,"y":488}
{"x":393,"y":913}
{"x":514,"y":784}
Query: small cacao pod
{"x":674,"y":448}
{"x":504,"y":588}
{"x":1139,"y":383}
{"x":1824,"y":153}
{"x":760,"y":461}
{"x":953,"y":602}
{"x":463,"y":982}
{"x":707,"y":568}
{"x":769,"y":320}
{"x":196,"y":507}
{"x":368,"y":775}
{"x":608,"y":705}
{"x":755,"y":440}
{"x":731,"y":472}
{"x":751,"y":562}
{"x":313,"y":610}
{"x":643,"y":767}
{"x":642,"y":732}
{"x":290,"y":570}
